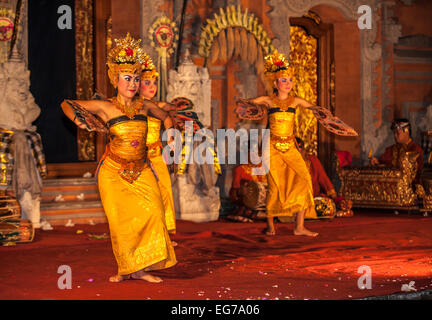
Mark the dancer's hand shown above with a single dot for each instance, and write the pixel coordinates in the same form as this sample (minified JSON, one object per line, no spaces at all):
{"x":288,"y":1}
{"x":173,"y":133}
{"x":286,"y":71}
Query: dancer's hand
{"x":248,"y":110}
{"x":374,"y":161}
{"x":171,"y":144}
{"x":171,"y":138}
{"x":81,"y":125}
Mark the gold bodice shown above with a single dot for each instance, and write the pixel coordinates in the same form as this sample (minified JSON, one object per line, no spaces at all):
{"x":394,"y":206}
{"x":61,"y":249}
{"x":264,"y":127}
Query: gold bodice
{"x":282,"y":122}
{"x":154,"y":126}
{"x":128,"y":137}
{"x":153,"y":137}
{"x":281,"y":125}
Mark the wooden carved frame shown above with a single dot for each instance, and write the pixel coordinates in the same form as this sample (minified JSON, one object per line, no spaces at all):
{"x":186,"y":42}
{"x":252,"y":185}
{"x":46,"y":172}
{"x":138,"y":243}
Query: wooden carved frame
{"x":84,"y":72}
{"x":326,"y":80}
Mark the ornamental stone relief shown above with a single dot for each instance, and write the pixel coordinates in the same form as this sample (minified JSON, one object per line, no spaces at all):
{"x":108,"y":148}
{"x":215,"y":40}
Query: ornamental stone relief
{"x":149,"y":13}
{"x":192,"y":82}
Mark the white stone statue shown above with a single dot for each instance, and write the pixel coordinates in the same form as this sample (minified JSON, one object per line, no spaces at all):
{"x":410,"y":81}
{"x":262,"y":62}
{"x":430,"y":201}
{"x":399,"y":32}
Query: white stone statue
{"x":17,"y":106}
{"x":196,"y":198}
{"x":192,"y":82}
{"x":18,"y":110}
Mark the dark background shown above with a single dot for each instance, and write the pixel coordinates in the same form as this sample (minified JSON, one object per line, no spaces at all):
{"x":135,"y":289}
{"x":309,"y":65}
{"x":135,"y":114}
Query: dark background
{"x":51,"y":59}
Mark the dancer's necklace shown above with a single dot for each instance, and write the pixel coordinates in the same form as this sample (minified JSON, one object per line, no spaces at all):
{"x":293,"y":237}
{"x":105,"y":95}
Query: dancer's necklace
{"x":144,"y":99}
{"x":129,"y":110}
{"x":283,"y":104}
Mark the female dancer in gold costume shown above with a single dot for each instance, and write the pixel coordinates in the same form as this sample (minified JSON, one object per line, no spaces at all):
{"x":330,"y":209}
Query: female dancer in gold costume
{"x":148,"y":89}
{"x":128,"y":188}
{"x":290,"y":186}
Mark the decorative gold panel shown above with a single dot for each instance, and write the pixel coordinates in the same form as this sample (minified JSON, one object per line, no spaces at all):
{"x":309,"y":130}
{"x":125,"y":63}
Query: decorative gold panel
{"x":234,"y":33}
{"x":109,"y":34}
{"x":303,"y":59}
{"x":425,"y":197}
{"x":84,"y":71}
{"x":332,"y":86}
{"x":375,"y":187}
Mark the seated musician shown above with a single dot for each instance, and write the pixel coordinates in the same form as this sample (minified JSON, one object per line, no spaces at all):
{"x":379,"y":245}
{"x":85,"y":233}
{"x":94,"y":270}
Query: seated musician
{"x":327,"y":203}
{"x":248,"y":209}
{"x":321,"y":183}
{"x":402,"y":134}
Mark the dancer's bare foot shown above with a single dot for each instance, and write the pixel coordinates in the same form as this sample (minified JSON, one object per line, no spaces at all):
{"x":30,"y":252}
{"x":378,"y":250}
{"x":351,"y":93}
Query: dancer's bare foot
{"x":270,"y":231}
{"x":142,"y":275}
{"x":174,"y":244}
{"x":304,"y":232}
{"x":118,"y":278}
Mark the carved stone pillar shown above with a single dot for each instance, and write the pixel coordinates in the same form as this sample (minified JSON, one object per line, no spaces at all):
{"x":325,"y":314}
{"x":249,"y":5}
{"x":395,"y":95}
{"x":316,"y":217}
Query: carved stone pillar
{"x":150,"y":11}
{"x":18,"y":110}
{"x":9,"y":15}
{"x":196,"y":197}
{"x":192,"y":82}
{"x":390,"y":33}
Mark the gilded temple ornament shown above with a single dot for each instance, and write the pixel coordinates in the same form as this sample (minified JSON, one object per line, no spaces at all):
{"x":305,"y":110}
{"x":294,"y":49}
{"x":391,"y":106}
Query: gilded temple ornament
{"x":7,"y":29}
{"x":234,"y":33}
{"x":229,"y":18}
{"x":163,"y":35}
{"x":304,"y":63}
{"x":371,"y":187}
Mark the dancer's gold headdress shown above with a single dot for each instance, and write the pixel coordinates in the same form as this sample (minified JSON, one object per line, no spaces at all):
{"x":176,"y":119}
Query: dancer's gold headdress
{"x":149,"y":69}
{"x":126,"y":56}
{"x":276,"y":66}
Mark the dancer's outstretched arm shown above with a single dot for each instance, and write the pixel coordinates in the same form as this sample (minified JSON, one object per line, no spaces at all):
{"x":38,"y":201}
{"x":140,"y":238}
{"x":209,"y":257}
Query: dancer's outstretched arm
{"x":95,"y":107}
{"x":158,"y":113}
{"x":303,"y":103}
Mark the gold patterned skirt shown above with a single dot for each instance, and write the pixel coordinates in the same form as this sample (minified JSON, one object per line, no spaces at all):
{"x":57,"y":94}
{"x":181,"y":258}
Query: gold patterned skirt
{"x":165,"y":187}
{"x":289,"y":183}
{"x":135,"y":213}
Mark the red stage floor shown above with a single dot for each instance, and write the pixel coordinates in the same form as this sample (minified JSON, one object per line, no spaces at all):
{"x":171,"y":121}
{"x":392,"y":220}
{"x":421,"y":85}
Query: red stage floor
{"x":226,"y":260}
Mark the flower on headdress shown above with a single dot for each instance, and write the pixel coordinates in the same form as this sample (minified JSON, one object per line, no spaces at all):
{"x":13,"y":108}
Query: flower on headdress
{"x":275,"y":62}
{"x":127,"y":56}
{"x":149,"y":68}
{"x":126,"y":51}
{"x":276,"y":66}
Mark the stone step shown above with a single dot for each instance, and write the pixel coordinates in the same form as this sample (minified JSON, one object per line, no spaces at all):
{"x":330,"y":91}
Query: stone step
{"x":93,"y":188}
{"x":69,"y":196}
{"x":77,"y":217}
{"x":82,"y":212}
{"x":63,"y":205}
{"x":69,"y":182}
{"x":85,"y":211}
{"x":69,"y":189}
